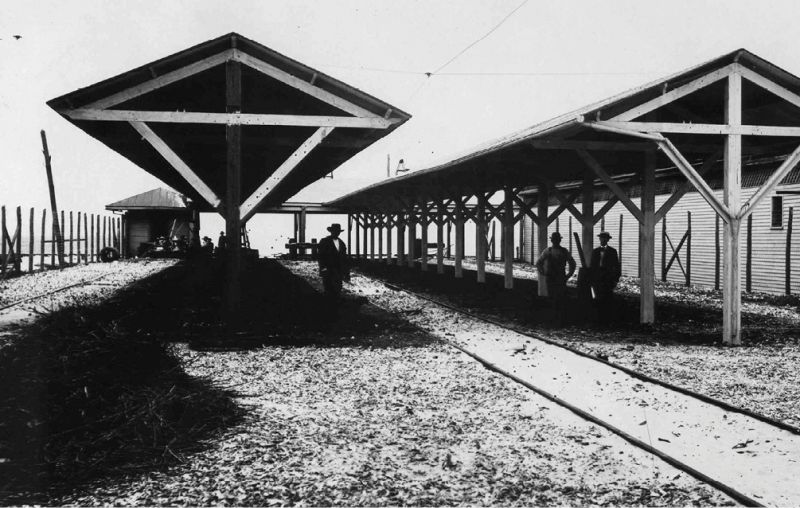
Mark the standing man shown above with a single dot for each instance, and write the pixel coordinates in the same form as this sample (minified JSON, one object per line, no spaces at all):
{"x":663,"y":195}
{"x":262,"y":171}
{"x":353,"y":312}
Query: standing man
{"x":552,"y":267}
{"x":333,"y":263}
{"x":606,"y":271}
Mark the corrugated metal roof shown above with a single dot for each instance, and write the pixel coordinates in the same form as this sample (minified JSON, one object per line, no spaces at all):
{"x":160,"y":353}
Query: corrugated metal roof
{"x":156,"y":199}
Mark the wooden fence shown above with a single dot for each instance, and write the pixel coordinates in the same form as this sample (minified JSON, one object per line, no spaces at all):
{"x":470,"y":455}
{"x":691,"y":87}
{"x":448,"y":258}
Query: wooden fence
{"x":82,"y":237}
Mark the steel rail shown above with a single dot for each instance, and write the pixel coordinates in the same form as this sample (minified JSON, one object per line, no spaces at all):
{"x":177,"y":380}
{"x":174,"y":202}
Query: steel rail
{"x":730,"y":491}
{"x":48,"y":293}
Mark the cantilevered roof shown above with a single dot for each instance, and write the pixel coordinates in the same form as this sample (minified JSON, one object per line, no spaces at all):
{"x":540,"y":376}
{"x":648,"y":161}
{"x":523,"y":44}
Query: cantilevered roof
{"x":156,"y":199}
{"x":169,"y":117}
{"x":548,"y":151}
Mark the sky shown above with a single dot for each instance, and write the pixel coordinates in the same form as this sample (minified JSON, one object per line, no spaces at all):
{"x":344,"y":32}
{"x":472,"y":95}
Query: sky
{"x":545,"y":59}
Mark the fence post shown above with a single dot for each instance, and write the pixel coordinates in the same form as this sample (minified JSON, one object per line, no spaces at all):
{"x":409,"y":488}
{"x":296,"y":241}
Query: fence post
{"x":91,"y":251}
{"x":31,"y":241}
{"x":71,"y":238}
{"x":86,"y":239}
{"x":620,"y":242}
{"x":78,"y":240}
{"x":44,"y":230}
{"x":18,"y":249}
{"x":97,"y":246}
{"x":61,"y":231}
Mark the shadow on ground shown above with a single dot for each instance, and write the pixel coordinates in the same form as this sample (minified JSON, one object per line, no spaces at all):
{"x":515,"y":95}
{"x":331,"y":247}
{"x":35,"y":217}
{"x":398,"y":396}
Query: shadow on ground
{"x":684,"y":323}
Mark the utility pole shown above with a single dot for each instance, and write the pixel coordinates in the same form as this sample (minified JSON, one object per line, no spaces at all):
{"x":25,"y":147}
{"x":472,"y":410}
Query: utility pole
{"x":53,"y":208}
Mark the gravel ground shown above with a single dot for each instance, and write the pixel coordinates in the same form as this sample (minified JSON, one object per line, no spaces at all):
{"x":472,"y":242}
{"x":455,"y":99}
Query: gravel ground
{"x":102,"y":280}
{"x":683,"y":346}
{"x":392,"y":416}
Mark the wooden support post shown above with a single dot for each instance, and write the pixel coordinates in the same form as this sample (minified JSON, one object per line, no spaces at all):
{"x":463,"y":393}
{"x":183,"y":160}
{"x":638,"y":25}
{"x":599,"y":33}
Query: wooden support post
{"x":53,"y":207}
{"x":233,"y":190}
{"x":647,"y":233}
{"x":717,"y":256}
{"x":412,"y":237}
{"x":381,"y":222}
{"x":688,"y":248}
{"x":587,"y":220}
{"x":31,"y":242}
{"x":493,"y":243}
{"x":440,"y":237}
{"x":389,"y":220}
{"x":41,"y":240}
{"x":480,"y":239}
{"x":372,"y":237}
{"x":732,"y":188}
{"x":98,"y":245}
{"x":401,"y":248}
{"x":104,"y":237}
{"x":748,"y":263}
{"x":459,"y":225}
{"x":302,"y":232}
{"x":542,"y":212}
{"x":365,"y":236}
{"x":350,"y":235}
{"x":789,"y":252}
{"x":423,"y":235}
{"x":569,"y":224}
{"x":664,"y":249}
{"x":53,"y":239}
{"x":508,"y":239}
{"x":619,"y":242}
{"x":358,"y":235}
{"x":449,"y":252}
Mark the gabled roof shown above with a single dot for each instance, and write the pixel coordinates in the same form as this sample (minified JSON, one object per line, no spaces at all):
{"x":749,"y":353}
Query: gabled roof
{"x":521,"y":158}
{"x":156,"y":199}
{"x":169,"y":116}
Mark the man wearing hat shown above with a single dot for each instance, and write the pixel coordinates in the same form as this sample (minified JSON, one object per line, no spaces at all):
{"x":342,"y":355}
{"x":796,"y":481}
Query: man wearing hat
{"x":552,"y":268}
{"x":333,"y":262}
{"x":606,"y":271}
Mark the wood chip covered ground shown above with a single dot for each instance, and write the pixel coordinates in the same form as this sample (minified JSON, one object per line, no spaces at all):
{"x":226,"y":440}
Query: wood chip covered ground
{"x":360,"y":410}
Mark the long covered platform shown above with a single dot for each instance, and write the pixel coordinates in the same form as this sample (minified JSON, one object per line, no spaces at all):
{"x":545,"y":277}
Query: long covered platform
{"x":234,"y":125}
{"x":689,"y":127}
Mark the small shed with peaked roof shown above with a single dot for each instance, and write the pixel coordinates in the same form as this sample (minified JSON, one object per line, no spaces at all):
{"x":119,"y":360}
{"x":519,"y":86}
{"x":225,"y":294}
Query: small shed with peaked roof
{"x":158,"y":212}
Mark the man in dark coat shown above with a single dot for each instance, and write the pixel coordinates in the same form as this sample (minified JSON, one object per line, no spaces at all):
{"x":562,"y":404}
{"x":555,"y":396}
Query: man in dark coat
{"x":555,"y":266}
{"x":333,"y":262}
{"x":606,"y":271}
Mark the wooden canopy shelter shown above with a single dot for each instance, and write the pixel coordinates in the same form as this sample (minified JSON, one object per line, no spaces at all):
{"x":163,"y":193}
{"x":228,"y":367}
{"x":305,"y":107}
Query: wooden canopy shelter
{"x":232,"y":124}
{"x":697,"y":124}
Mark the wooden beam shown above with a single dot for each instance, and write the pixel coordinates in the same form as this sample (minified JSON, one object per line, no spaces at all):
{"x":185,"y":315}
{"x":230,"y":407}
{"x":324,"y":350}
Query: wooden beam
{"x":251,"y":204}
{"x":480,"y":240}
{"x":772,"y":182}
{"x":302,"y":85}
{"x":177,"y":163}
{"x":768,"y":85}
{"x":732,"y":189}
{"x":423,"y":234}
{"x":701,"y":128}
{"x":161,"y":81}
{"x":686,"y":186}
{"x":608,"y":146}
{"x":675,"y":94}
{"x":587,"y":213}
{"x":233,"y":190}
{"x":440,"y":207}
{"x":699,"y":183}
{"x":615,"y":188}
{"x":401,"y":250}
{"x":565,"y":203}
{"x":117,"y":115}
{"x":508,"y":240}
{"x":459,"y":225}
{"x":647,"y":234}
{"x":604,"y":209}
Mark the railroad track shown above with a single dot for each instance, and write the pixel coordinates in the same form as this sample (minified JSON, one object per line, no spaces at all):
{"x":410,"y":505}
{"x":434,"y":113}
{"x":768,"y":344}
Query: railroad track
{"x":45,"y":294}
{"x":727,"y":489}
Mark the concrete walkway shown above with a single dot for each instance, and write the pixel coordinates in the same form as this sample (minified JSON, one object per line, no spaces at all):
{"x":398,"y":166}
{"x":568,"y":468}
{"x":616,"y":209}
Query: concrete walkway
{"x":753,"y":457}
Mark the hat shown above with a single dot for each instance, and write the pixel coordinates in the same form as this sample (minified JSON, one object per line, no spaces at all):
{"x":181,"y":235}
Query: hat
{"x":556,"y":234}
{"x":604,"y":233}
{"x":335,"y":227}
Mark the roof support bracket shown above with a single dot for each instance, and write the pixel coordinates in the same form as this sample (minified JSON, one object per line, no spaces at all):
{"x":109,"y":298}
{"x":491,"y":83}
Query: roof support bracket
{"x":614,"y":186}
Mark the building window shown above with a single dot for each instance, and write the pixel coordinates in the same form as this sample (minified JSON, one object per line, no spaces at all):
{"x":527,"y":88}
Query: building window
{"x":777,"y":211}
